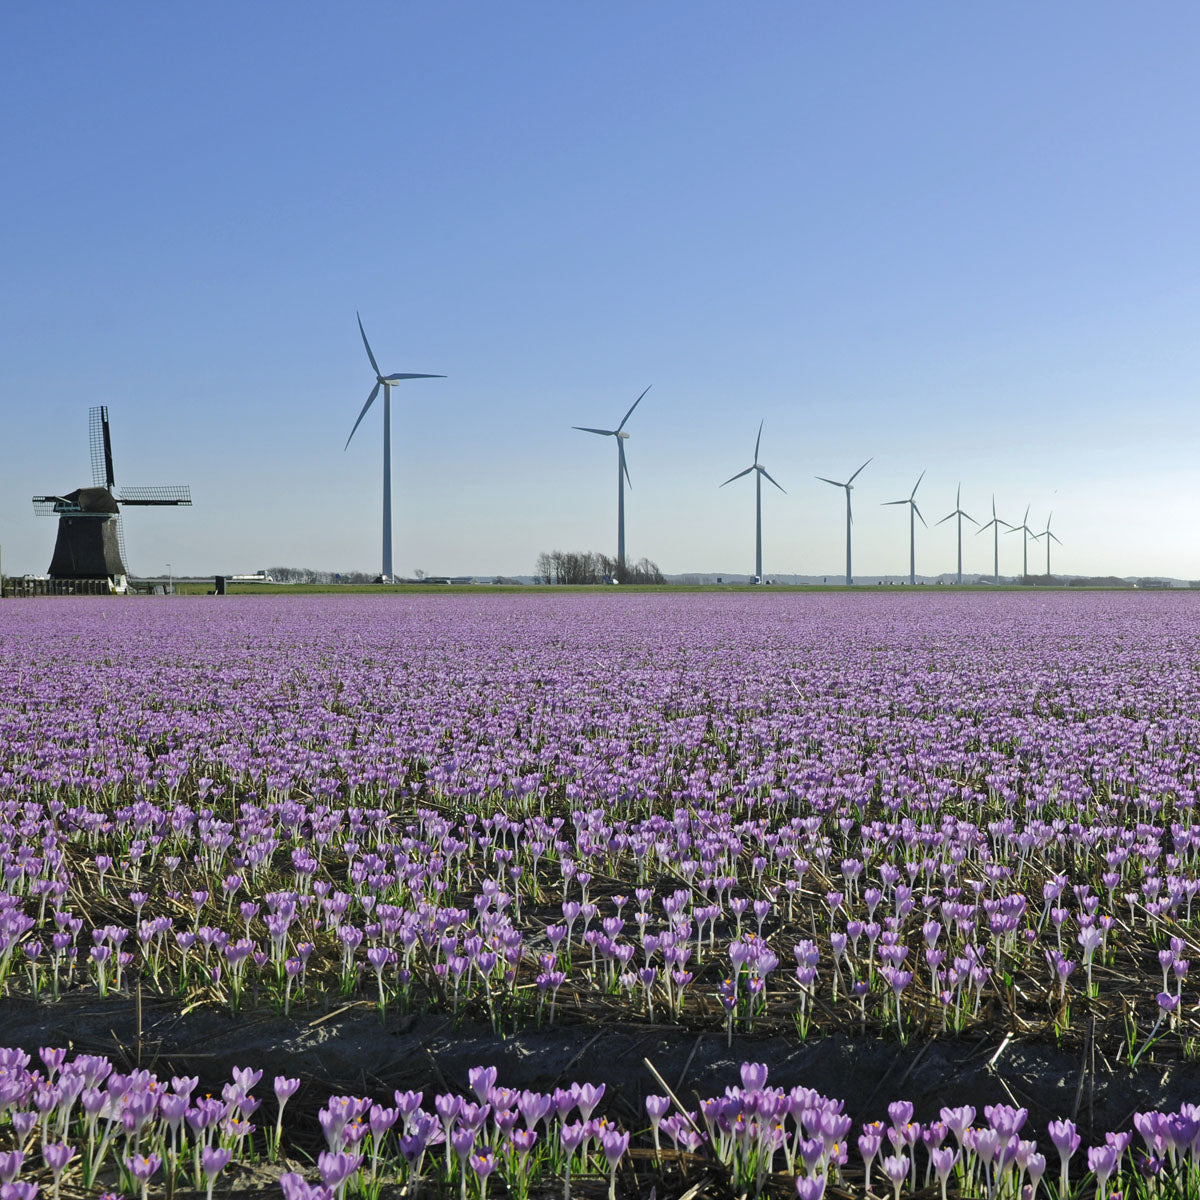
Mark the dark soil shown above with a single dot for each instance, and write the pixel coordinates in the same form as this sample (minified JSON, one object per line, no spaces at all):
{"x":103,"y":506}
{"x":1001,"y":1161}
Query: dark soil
{"x":350,"y":1051}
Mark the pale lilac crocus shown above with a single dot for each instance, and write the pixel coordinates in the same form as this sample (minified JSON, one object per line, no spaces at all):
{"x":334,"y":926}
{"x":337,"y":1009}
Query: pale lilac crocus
{"x":943,"y":1161}
{"x":657,"y":1107}
{"x":810,"y":1187}
{"x":614,"y":1143}
{"x":57,"y":1155}
{"x":213,"y":1160}
{"x":1066,"y":1141}
{"x":1102,"y":1161}
{"x":895,"y":1167}
{"x":285,"y":1089}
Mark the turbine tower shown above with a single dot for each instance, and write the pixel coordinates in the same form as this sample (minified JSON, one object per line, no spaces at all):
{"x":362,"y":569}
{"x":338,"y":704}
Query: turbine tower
{"x":958,"y":512}
{"x":1026,"y":534}
{"x":385,"y":382}
{"x":913,"y":513}
{"x":759,"y":471}
{"x":1049,"y":537}
{"x":622,"y":476}
{"x":848,"y":485}
{"x":994,"y":525}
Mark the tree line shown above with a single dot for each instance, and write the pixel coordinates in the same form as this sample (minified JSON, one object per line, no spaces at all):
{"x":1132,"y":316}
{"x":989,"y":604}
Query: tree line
{"x":309,"y":575}
{"x":581,"y":567}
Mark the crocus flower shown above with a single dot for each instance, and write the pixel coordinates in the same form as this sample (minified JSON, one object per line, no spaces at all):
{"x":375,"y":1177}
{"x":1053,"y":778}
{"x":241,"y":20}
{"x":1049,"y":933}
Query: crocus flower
{"x":810,"y":1187}
{"x":895,"y":1167}
{"x":1066,"y":1142}
{"x":336,"y":1168}
{"x":1102,"y":1160}
{"x":614,"y":1143}
{"x":213,"y":1160}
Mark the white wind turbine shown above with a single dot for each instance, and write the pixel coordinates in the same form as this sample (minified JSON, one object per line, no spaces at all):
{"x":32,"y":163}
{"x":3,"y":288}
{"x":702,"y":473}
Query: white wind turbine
{"x":1026,"y":533}
{"x":385,"y":382}
{"x":994,"y":525}
{"x":759,"y":471}
{"x":958,"y":512}
{"x":913,"y":513}
{"x":1049,"y":538}
{"x":849,"y":486}
{"x":622,"y":477}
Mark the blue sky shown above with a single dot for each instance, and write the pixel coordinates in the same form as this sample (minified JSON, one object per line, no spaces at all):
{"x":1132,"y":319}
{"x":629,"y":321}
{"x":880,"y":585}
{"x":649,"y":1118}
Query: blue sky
{"x":959,"y":238}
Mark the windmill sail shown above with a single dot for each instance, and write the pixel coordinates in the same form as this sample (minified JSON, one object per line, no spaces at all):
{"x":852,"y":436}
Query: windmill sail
{"x":100,"y":445}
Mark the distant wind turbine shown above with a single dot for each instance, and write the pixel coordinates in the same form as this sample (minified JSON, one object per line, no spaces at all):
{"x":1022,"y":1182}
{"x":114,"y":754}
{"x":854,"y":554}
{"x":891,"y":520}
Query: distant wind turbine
{"x":1026,"y":534}
{"x":913,"y":513}
{"x":759,"y":471}
{"x":848,"y":485}
{"x":958,"y":512}
{"x":385,"y":382}
{"x":994,"y":525}
{"x":622,"y":477}
{"x":1049,"y":537}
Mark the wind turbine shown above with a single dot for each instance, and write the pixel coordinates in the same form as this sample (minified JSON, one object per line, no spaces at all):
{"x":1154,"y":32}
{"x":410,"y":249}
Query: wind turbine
{"x":759,"y":471}
{"x":913,"y":513}
{"x":1026,"y":533}
{"x":385,"y":382}
{"x":994,"y":525}
{"x":958,"y":513}
{"x":622,"y":475}
{"x":848,"y":485}
{"x":1049,"y":537}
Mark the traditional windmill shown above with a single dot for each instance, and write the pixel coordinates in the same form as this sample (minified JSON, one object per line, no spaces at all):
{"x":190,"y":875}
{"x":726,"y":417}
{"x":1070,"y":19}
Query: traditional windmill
{"x":90,"y":542}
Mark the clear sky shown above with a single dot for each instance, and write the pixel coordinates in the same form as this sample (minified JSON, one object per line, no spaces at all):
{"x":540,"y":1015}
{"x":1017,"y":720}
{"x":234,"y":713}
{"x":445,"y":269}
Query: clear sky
{"x":957,"y":237}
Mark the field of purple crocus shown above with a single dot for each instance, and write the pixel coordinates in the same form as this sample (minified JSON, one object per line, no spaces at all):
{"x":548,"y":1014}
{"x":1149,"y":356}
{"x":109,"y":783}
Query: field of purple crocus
{"x":760,"y":826}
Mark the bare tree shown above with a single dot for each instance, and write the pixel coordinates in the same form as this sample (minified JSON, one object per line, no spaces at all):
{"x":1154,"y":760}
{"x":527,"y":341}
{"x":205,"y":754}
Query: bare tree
{"x":585,"y":567}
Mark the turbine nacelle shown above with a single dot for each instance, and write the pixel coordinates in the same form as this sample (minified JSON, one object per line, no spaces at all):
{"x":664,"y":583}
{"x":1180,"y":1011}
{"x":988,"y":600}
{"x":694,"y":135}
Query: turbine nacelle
{"x":756,"y":465}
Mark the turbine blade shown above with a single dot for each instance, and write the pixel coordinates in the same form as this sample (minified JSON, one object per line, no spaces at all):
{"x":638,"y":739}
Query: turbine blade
{"x":1055,"y":537}
{"x":601,"y":432}
{"x":394,"y":378}
{"x":916,"y":485}
{"x":985,"y":528}
{"x":768,"y":475}
{"x":738,"y":475}
{"x":918,"y":512}
{"x":624,"y":464}
{"x":945,"y":518}
{"x":885,"y":503}
{"x":970,"y":518}
{"x":370,"y":401}
{"x":757,"y":441}
{"x":631,"y":408}
{"x":859,"y":471}
{"x":374,"y":364}
{"x":832,"y":481}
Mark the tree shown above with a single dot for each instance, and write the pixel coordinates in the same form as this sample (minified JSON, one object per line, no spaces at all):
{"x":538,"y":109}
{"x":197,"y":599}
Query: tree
{"x":578,"y":567}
